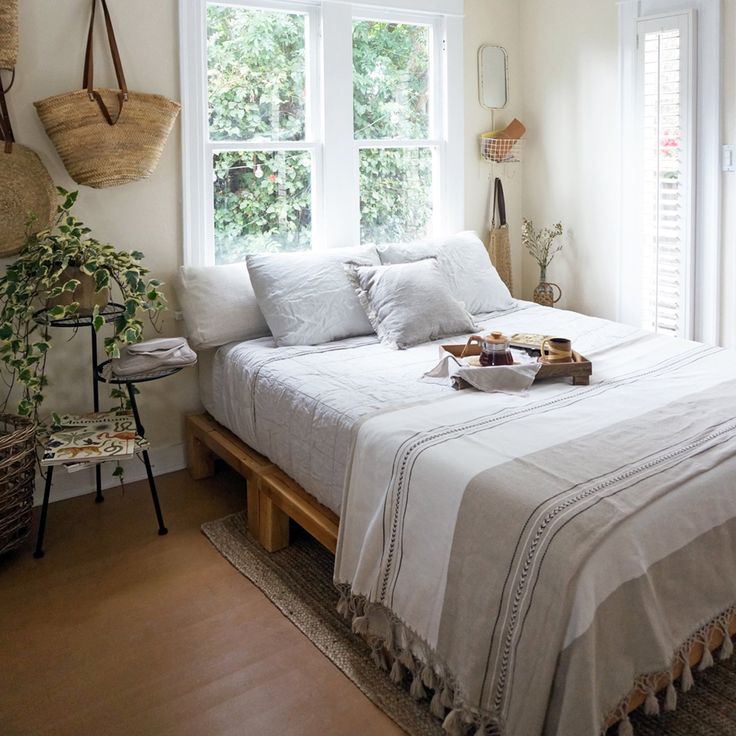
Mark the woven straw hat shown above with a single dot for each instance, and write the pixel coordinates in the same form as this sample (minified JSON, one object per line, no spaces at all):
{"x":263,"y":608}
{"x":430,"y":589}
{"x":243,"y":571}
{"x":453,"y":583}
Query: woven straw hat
{"x":26,"y":191}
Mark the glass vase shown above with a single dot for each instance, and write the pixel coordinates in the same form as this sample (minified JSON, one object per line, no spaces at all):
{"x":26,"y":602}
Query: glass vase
{"x":544,"y":293}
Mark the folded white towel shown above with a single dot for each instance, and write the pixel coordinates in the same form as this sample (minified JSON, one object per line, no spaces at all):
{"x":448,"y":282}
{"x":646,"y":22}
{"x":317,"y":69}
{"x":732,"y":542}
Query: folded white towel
{"x":456,"y":373}
{"x":151,"y":356}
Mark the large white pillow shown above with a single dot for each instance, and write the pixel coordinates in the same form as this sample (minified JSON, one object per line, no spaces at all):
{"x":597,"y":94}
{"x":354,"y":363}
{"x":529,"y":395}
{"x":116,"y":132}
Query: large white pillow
{"x":219,"y":305}
{"x":464,"y":263}
{"x":307,"y":298}
{"x":409,"y":303}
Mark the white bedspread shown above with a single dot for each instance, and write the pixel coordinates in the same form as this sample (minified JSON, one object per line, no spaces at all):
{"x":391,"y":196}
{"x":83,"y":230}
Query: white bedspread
{"x":299,"y":406}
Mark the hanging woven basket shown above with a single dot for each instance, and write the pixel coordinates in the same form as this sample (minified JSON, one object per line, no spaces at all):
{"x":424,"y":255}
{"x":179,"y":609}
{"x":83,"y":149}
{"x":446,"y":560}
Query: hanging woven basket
{"x":27,"y":193}
{"x":17,"y":479}
{"x":8,"y":33}
{"x":107,"y":137}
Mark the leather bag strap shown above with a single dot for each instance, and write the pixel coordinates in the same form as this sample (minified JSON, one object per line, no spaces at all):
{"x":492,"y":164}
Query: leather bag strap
{"x":88,"y":77}
{"x":6,"y":130}
{"x":499,"y":201}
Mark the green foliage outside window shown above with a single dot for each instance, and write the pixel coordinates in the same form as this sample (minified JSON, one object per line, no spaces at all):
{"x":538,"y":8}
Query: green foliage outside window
{"x":256,"y":81}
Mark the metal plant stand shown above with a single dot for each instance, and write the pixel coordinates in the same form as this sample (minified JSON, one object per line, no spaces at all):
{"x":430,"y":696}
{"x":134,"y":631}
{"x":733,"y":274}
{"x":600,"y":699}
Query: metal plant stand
{"x":109,"y":313}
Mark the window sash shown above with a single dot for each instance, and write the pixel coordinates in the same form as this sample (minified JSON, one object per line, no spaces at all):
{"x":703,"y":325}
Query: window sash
{"x":329,"y":119}
{"x":667,"y":307}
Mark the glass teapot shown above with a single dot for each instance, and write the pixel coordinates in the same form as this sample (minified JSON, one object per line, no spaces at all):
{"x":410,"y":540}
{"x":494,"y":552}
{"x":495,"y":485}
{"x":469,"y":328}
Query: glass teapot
{"x":494,"y":349}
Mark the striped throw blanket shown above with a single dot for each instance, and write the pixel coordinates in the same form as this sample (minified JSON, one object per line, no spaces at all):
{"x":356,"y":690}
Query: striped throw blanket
{"x":524,"y":561}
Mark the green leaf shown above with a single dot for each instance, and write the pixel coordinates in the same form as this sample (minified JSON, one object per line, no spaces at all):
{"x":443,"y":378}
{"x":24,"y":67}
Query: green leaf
{"x":98,"y":322}
{"x":56,"y":312}
{"x":102,"y":279}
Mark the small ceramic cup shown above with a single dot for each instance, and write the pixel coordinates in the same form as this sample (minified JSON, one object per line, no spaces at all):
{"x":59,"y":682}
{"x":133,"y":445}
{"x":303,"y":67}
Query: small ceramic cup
{"x":556,"y":350}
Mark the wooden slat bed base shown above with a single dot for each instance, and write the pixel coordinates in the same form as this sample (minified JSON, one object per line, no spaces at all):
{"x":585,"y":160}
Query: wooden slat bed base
{"x":273,"y":497}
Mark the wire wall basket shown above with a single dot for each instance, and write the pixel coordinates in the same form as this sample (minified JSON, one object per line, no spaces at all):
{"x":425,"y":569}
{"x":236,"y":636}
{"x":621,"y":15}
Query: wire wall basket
{"x":501,"y":150}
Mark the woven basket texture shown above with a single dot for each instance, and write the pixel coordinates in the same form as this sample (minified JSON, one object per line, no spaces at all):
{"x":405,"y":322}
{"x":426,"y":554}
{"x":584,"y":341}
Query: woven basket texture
{"x":17,"y":477}
{"x":101,"y":155}
{"x":8,"y":33}
{"x":499,"y":249}
{"x":27,"y":194}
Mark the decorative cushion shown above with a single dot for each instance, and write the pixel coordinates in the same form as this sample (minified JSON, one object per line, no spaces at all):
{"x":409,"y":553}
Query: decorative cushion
{"x":307,"y":298}
{"x":219,"y":305}
{"x":409,"y":303}
{"x":466,"y":266}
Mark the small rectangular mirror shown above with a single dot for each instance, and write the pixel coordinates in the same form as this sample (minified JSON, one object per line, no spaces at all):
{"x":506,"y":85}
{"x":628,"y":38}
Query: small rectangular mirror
{"x":493,"y":71}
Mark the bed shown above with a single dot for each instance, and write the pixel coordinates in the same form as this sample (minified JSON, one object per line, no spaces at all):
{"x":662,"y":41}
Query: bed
{"x":534,"y":563}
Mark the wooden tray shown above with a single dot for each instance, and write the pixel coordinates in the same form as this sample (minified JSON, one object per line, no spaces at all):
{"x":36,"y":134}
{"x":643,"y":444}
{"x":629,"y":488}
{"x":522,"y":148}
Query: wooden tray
{"x":580,"y":369}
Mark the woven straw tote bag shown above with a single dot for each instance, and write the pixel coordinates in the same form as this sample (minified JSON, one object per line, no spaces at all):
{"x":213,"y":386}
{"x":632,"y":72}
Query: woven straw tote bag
{"x":8,"y":33}
{"x":107,"y":137}
{"x":27,"y":193}
{"x":499,"y":243}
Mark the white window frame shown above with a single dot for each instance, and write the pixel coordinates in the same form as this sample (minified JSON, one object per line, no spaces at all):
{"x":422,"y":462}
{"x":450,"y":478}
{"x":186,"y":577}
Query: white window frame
{"x":329,"y":131}
{"x":704,"y":307}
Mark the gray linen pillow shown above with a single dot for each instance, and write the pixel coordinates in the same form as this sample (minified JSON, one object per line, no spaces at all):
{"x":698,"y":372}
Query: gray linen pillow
{"x":306,"y":297}
{"x":409,"y":303}
{"x":464,"y":263}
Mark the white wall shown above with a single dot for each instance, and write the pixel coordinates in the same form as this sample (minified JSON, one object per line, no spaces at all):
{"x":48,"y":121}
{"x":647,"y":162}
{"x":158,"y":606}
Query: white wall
{"x":492,"y":22}
{"x":571,"y":170}
{"x":147,"y":215}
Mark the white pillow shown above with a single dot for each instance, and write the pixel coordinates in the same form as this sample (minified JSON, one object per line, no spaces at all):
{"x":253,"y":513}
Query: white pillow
{"x":466,"y":266}
{"x":307,"y":298}
{"x":219,"y":305}
{"x":409,"y":303}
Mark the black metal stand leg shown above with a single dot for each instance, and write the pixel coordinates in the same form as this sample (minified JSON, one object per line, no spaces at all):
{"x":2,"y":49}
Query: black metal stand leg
{"x":44,"y":511}
{"x":154,"y":495}
{"x":99,"y":498}
{"x":146,"y":461}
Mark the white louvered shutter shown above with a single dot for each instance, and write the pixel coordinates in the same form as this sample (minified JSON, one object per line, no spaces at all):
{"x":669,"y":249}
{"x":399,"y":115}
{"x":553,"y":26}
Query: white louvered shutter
{"x":665,"y":104}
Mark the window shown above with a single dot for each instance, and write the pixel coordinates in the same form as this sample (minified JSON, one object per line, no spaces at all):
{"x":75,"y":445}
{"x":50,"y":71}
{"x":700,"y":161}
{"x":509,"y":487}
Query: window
{"x":665,"y":116}
{"x":393,"y":114}
{"x":311,"y":126}
{"x":259,"y":121}
{"x":670,"y":167}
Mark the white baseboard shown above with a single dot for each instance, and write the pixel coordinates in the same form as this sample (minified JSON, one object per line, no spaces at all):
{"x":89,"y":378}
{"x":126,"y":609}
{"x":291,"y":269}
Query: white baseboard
{"x":68,"y":485}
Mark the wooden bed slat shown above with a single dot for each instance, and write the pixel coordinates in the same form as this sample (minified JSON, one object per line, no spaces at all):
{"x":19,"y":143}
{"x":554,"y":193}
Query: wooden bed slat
{"x":273,"y":497}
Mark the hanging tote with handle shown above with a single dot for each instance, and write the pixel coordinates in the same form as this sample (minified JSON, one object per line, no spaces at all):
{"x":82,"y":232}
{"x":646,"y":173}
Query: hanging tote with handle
{"x":107,"y":137}
{"x":499,"y":243}
{"x":27,"y":193}
{"x":8,"y":33}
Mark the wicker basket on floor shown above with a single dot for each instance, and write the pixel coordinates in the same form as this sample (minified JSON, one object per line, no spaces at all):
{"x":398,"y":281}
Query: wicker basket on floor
{"x":17,"y":477}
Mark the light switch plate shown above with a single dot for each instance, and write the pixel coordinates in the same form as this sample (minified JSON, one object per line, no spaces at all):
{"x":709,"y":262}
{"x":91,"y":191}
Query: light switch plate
{"x":729,"y":158}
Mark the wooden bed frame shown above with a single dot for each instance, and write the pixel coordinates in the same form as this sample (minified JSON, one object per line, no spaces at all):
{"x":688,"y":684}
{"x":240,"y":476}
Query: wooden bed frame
{"x":273,"y":498}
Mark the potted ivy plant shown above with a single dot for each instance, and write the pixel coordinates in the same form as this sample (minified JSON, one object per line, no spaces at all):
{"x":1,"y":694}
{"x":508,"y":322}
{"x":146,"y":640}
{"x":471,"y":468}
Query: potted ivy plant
{"x":61,"y":273}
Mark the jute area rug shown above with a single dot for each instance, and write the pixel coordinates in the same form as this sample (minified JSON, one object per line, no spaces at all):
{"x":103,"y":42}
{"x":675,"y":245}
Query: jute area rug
{"x":298,"y":581}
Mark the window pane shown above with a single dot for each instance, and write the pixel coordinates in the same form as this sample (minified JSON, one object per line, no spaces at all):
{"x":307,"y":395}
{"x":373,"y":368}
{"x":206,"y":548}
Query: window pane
{"x":390,"y":80}
{"x":256,"y":74}
{"x":395,"y":194}
{"x":663,"y":201}
{"x":262,"y":203}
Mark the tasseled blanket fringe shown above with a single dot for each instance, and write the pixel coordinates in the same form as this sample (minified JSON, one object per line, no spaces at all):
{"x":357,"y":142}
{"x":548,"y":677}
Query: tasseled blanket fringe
{"x":411,"y":662}
{"x":402,"y":653}
{"x":649,"y":684}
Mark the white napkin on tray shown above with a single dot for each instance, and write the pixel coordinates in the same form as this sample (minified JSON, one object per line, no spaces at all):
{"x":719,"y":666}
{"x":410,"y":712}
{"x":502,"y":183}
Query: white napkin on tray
{"x":457,"y":373}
